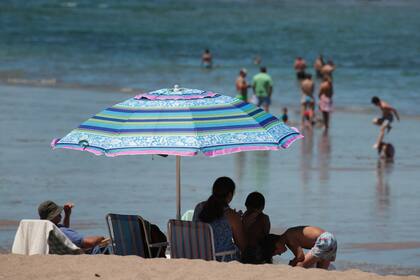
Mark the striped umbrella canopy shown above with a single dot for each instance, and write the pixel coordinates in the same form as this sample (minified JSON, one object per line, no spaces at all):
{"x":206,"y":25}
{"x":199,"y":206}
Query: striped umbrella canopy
{"x":180,"y":122}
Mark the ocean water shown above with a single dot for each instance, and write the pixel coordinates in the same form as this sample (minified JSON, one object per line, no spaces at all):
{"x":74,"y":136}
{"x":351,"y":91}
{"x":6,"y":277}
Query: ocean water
{"x":153,"y":44}
{"x":63,"y":61}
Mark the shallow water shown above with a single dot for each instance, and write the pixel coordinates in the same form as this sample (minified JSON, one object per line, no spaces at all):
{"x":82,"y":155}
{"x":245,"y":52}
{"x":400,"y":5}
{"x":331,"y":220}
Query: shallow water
{"x":104,"y":50}
{"x":334,"y":181}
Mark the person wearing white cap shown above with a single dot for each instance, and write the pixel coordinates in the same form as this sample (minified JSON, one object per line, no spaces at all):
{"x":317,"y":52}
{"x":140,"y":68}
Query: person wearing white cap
{"x":49,"y":210}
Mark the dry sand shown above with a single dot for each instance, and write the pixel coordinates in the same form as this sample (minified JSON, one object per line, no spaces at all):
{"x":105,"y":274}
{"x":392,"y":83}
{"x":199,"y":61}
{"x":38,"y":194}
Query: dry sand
{"x":131,"y":267}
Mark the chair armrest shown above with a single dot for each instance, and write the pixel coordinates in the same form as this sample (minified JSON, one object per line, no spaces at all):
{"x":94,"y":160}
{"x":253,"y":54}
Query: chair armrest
{"x":157,"y":245}
{"x":226,"y":253}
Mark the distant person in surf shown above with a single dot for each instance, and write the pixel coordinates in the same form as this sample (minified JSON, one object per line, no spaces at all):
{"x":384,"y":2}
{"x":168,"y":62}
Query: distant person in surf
{"x":307,"y":101}
{"x":318,"y":64}
{"x":325,"y":101}
{"x":262,"y":85}
{"x":242,"y":86}
{"x":386,"y":151}
{"x":300,"y":67}
{"x":385,"y":121}
{"x":207,"y":59}
{"x":328,"y":69}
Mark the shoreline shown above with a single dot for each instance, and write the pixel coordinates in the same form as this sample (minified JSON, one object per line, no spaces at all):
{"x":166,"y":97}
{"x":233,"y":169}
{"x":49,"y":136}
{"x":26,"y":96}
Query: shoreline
{"x":133,"y":267}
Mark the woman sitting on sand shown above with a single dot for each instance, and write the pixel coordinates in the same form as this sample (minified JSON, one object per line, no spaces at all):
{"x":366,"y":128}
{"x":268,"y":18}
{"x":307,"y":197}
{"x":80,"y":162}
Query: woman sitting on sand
{"x":225,"y":222}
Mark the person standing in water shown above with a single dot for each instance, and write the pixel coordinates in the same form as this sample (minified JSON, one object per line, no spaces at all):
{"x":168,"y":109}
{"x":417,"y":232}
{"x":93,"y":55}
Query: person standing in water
{"x":262,"y":85}
{"x":318,"y":64}
{"x":300,"y":67}
{"x":385,"y":121}
{"x":242,"y":86}
{"x":307,"y":101}
{"x":325,"y":101}
{"x":207,"y":59}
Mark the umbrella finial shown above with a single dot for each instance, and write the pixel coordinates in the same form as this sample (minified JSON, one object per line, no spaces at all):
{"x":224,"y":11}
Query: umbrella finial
{"x":176,"y":88}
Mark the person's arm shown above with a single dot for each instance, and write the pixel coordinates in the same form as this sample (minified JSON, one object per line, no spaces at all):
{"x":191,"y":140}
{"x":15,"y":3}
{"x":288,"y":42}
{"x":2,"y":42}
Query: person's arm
{"x":266,"y":225}
{"x":297,"y":251}
{"x":67,"y":212}
{"x":91,"y":241}
{"x":237,"y":230}
{"x":270,"y":88}
{"x":395,"y":113}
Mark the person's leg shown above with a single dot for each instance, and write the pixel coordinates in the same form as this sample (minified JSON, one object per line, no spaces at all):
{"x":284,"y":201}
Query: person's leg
{"x":324,"y":264}
{"x":326,"y":117}
{"x":310,"y":261}
{"x":381,"y":135}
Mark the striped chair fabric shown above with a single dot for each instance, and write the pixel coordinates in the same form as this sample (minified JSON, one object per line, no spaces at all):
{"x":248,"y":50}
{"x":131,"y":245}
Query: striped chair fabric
{"x":191,"y":240}
{"x":127,"y":235}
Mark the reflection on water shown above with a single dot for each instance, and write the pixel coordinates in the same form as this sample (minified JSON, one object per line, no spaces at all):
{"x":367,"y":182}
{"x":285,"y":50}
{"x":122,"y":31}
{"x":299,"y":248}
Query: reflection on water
{"x":324,"y":156}
{"x":261,"y":169}
{"x":383,"y":169}
{"x":306,"y":155}
{"x":240,"y":167}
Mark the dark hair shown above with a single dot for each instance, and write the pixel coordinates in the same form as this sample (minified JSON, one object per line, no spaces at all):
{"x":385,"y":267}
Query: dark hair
{"x":263,"y":69}
{"x":308,"y":76}
{"x":268,"y":246}
{"x":255,"y":200}
{"x":214,"y":207}
{"x":375,"y":100}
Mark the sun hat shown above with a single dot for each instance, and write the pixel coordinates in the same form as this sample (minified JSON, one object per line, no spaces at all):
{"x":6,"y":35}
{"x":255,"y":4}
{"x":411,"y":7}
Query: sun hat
{"x":48,"y":210}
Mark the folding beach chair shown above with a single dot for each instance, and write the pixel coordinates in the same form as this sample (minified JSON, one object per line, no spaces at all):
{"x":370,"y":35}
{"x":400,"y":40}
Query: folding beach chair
{"x":130,"y":235}
{"x":194,"y":240}
{"x":42,"y":237}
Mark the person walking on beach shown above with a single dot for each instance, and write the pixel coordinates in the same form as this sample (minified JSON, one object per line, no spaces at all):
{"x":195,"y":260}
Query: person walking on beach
{"x":262,"y":85}
{"x":307,"y":101}
{"x":325,"y":101}
{"x":49,"y":210}
{"x":300,"y":67}
{"x":385,"y":121}
{"x":242,"y":86}
{"x":321,"y":244}
{"x":207,"y":59}
{"x":318,"y":64}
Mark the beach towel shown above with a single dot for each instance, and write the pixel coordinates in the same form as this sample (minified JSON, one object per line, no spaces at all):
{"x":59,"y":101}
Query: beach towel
{"x":32,"y":238}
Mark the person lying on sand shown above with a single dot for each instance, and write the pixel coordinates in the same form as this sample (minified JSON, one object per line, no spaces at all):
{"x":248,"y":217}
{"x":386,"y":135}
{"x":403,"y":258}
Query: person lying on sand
{"x":49,"y":210}
{"x":322,"y":246}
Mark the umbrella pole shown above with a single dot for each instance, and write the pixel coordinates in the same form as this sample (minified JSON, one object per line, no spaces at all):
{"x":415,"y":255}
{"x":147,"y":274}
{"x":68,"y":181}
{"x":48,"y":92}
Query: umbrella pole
{"x":178,"y":187}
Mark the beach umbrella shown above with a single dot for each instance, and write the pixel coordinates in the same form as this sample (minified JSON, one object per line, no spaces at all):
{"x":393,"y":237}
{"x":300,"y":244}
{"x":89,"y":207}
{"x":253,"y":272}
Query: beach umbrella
{"x":180,"y":122}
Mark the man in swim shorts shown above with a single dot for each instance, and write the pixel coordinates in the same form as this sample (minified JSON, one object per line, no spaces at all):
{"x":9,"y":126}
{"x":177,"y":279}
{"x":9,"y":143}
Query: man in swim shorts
{"x":385,"y":121}
{"x":307,"y":101}
{"x":321,"y":244}
{"x":262,"y":85}
{"x":242,"y":86}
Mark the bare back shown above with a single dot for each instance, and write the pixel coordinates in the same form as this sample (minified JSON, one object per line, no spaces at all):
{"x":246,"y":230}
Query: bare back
{"x":302,"y":236}
{"x":307,"y":87}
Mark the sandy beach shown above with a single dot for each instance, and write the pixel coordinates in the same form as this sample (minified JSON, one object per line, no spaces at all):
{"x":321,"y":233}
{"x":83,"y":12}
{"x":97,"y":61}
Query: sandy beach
{"x":131,"y":267}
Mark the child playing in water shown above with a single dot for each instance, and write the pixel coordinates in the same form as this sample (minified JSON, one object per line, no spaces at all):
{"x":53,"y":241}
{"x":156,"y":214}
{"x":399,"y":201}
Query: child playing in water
{"x":285,"y":117}
{"x":322,"y":246}
{"x":256,"y":226}
{"x":385,"y":121}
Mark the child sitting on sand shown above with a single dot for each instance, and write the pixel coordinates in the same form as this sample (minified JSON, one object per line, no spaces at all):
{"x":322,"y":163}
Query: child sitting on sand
{"x":256,"y":226}
{"x":322,"y":246}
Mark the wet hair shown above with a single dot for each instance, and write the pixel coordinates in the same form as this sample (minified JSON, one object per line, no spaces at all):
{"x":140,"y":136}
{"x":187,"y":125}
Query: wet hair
{"x":388,"y":150}
{"x":375,"y":100}
{"x":263,"y":69}
{"x":268,"y":247}
{"x":308,"y":76}
{"x":215,"y":205}
{"x":255,"y":200}
{"x":206,"y":50}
